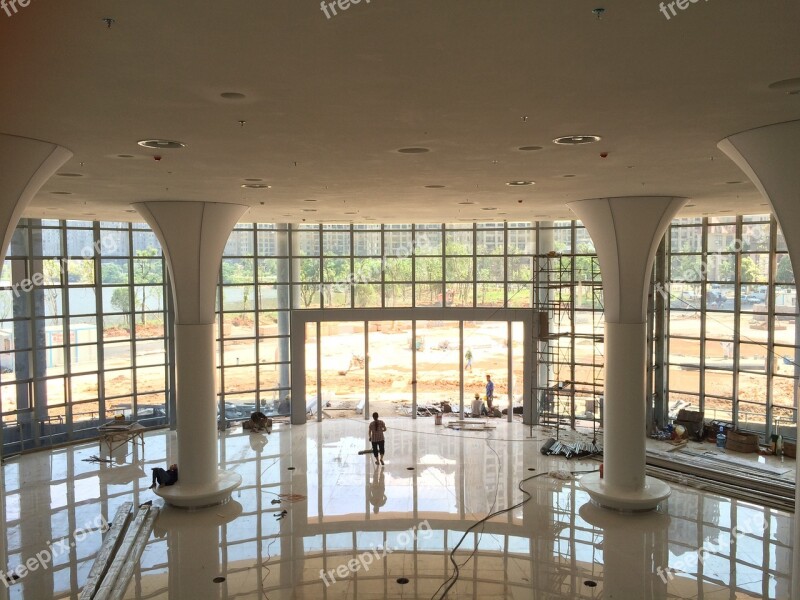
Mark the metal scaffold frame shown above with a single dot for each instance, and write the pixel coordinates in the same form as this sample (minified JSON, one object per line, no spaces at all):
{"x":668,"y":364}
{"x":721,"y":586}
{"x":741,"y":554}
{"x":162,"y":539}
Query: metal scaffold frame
{"x":564,"y":392}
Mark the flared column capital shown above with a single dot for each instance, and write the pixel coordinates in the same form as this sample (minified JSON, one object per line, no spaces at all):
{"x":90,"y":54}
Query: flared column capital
{"x":27,"y":165}
{"x":626,"y":232}
{"x":193,"y":236}
{"x":770,"y":157}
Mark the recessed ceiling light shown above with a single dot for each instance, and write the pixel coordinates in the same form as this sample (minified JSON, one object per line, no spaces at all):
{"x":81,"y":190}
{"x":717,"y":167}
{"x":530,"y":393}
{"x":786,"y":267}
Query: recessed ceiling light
{"x":529,"y":148}
{"x":309,"y":200}
{"x":69,"y":174}
{"x":567,"y":176}
{"x":62,"y":193}
{"x":413,"y":150}
{"x":256,"y":186}
{"x":253,"y":179}
{"x":161,"y":144}
{"x":466,"y":203}
{"x":434,"y":187}
{"x":125,"y":156}
{"x":519,"y":182}
{"x":574,"y":140}
{"x":232,"y":96}
{"x":489,"y":208}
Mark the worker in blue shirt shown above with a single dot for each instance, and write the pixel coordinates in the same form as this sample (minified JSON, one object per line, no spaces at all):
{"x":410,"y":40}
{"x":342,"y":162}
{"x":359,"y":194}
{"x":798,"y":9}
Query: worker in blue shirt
{"x":489,"y":392}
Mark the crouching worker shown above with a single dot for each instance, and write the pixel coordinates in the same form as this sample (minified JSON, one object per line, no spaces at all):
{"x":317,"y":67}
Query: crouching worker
{"x":164,"y":477}
{"x":258,"y":422}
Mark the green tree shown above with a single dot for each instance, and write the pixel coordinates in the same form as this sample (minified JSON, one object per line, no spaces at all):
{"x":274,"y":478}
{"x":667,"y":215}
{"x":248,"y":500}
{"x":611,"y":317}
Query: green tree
{"x":309,"y":278}
{"x":121,"y":300}
{"x":784,"y":272}
{"x":750,"y":271}
{"x":146,"y":273}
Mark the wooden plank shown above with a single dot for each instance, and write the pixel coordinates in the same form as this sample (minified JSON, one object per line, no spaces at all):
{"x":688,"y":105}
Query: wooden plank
{"x":111,"y":541}
{"x":126,"y":573}
{"x":121,"y":557}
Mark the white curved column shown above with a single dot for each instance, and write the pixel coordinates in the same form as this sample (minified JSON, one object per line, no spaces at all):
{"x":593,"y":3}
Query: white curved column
{"x":770,"y":157}
{"x":626,"y":233}
{"x":27,"y":165}
{"x":193,"y":236}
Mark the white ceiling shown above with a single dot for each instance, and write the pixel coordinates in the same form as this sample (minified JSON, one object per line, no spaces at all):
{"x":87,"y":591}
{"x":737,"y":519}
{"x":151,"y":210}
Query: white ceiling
{"x":329,"y":102}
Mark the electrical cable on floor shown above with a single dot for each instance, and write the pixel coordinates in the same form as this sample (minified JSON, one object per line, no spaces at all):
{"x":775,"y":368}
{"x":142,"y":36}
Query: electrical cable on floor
{"x":451,"y":581}
{"x":269,"y":571}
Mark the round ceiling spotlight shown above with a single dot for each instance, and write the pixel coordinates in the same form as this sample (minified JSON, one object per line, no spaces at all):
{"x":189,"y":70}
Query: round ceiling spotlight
{"x":69,"y":174}
{"x":413,"y":150}
{"x":256,"y":186}
{"x":575,"y":140}
{"x":232,"y":96}
{"x":515,"y":183}
{"x":161,"y":144}
{"x":435,"y":187}
{"x":529,"y":148}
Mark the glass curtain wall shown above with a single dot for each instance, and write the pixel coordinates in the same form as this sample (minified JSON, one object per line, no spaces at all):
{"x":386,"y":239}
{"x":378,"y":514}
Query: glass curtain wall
{"x":82,"y":334}
{"x":732,"y":306}
{"x":253,"y":322}
{"x":83,"y":311}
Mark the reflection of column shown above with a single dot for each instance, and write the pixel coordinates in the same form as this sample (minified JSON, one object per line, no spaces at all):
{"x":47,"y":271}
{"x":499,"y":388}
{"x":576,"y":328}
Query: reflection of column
{"x":769,"y":157}
{"x":632,"y":555}
{"x":626,"y":233}
{"x":193,"y":236}
{"x":193,"y":550}
{"x":27,"y":165}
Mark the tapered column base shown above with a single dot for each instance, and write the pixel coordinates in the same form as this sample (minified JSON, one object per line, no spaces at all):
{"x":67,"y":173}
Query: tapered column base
{"x":654,"y":492}
{"x":198,"y":495}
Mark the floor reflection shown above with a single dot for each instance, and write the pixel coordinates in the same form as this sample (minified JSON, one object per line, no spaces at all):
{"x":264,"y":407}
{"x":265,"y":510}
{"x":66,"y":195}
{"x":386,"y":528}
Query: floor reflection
{"x":354,"y":530}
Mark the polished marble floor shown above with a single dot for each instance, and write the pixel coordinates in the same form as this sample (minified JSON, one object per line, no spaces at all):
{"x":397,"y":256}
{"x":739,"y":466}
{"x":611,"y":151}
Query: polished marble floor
{"x":385,"y":532}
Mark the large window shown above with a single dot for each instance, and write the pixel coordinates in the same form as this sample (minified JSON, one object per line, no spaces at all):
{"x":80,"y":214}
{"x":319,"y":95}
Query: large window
{"x":82,"y":330}
{"x":253,"y":321}
{"x":732,"y":306}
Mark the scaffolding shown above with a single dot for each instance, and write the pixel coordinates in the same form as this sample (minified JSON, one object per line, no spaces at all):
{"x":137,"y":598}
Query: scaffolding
{"x":569,"y":348}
